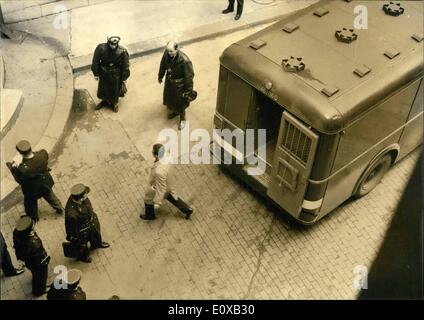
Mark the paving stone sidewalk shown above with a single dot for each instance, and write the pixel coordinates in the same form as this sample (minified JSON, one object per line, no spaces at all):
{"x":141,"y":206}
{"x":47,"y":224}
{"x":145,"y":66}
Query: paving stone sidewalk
{"x":234,"y":247}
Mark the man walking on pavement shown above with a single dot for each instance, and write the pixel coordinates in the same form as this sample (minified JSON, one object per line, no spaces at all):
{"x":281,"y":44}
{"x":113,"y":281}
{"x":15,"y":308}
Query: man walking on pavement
{"x":33,"y":175}
{"x":7,"y":266}
{"x":29,"y":248}
{"x":178,"y":87}
{"x":161,"y":186}
{"x":111,"y":67}
{"x":82,"y":224}
{"x":71,"y":289}
{"x":230,"y":8}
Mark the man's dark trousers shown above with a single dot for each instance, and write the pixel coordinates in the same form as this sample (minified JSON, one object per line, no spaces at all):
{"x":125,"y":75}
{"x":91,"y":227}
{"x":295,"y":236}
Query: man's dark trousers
{"x":239,"y":5}
{"x":179,"y":203}
{"x":6,"y":260}
{"x":31,"y":202}
{"x":39,"y":279}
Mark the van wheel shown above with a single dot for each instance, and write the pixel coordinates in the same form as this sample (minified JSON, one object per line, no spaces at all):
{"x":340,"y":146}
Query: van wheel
{"x":373,"y":176}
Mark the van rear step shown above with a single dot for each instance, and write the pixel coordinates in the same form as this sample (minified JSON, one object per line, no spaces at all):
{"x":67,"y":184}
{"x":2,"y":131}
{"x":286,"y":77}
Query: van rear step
{"x":263,"y":179}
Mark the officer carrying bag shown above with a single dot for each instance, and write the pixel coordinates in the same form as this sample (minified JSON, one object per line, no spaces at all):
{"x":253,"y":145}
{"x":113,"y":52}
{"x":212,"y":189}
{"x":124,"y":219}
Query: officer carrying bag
{"x":68,"y":249}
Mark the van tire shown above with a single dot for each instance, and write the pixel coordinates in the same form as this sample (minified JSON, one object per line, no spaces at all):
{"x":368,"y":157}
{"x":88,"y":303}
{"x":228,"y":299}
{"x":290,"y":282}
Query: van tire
{"x":373,"y":175}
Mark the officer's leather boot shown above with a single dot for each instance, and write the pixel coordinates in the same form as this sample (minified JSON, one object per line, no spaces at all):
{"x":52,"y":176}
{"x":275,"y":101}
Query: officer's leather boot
{"x":83,"y":253}
{"x":229,"y":9}
{"x":172,"y":115}
{"x":102,"y":104}
{"x":85,"y":259}
{"x":188,"y":213}
{"x":149,"y":212}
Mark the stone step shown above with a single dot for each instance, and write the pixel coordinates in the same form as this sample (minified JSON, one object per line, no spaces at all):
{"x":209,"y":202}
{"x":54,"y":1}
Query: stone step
{"x":2,"y":73}
{"x":11,"y":102}
{"x":57,"y":121}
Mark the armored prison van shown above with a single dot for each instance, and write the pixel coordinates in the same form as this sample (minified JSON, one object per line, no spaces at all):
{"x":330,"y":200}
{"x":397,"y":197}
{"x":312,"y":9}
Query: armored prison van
{"x":340,"y":106}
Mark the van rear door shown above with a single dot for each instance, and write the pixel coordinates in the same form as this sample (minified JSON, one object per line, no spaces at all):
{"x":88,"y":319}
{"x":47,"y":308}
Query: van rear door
{"x":292,"y":165}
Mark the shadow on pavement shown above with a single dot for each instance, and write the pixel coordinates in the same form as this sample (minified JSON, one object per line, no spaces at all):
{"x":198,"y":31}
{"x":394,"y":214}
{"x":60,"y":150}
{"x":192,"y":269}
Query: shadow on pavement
{"x":397,"y":271}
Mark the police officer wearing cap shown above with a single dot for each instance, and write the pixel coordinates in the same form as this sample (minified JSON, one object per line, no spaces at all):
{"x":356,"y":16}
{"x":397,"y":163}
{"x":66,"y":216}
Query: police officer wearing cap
{"x":111,"y":67}
{"x":29,"y":248}
{"x":33,"y":175}
{"x":69,"y":289}
{"x":82,"y":224}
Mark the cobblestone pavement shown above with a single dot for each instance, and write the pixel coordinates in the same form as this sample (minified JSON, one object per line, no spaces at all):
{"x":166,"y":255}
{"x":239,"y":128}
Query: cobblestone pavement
{"x":234,"y":247}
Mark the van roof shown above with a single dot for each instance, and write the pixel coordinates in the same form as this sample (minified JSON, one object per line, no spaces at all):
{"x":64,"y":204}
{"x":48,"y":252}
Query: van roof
{"x":343,"y":75}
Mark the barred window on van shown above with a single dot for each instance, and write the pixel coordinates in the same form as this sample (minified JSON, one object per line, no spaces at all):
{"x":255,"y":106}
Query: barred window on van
{"x":296,"y":142}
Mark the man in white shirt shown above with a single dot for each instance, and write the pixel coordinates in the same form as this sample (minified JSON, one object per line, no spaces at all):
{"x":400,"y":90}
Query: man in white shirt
{"x":161,"y":186}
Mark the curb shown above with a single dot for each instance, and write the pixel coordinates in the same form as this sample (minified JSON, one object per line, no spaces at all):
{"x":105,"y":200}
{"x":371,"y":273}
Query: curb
{"x":216,"y":29}
{"x":58,"y":119}
{"x":2,"y":73}
{"x":10,"y":118}
{"x":4,"y":93}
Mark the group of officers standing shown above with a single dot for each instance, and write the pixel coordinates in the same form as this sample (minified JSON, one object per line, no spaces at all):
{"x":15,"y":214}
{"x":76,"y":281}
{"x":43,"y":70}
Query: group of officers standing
{"x":110,"y":67}
{"x":81,"y":224}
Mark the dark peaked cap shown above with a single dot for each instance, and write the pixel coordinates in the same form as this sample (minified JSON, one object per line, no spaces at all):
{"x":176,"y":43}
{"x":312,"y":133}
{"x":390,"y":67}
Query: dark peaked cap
{"x":24,"y":224}
{"x":23,"y":146}
{"x":79,"y":189}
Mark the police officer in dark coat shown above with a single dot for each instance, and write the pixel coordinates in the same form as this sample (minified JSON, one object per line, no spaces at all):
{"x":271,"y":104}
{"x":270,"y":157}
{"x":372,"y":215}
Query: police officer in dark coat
{"x":70,"y":289}
{"x":82,"y":224}
{"x":35,"y":179}
{"x":230,"y":8}
{"x":111,"y":67}
{"x":29,"y":248}
{"x":6,"y":262}
{"x":178,"y":83}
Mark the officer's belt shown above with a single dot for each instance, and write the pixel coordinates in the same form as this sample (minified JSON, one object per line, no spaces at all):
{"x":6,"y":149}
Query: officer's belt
{"x":37,"y":175}
{"x":176,"y":81}
{"x":109,"y":67}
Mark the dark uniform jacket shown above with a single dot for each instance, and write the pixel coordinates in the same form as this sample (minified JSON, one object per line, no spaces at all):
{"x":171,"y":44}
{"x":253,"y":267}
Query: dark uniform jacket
{"x":29,"y":248}
{"x":66,"y":294}
{"x":80,"y":220}
{"x":179,"y":79}
{"x":33,"y":174}
{"x":112,"y":67}
{"x":3,"y":245}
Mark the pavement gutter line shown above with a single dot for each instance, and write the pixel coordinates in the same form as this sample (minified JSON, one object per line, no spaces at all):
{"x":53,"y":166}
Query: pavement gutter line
{"x":261,"y":249}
